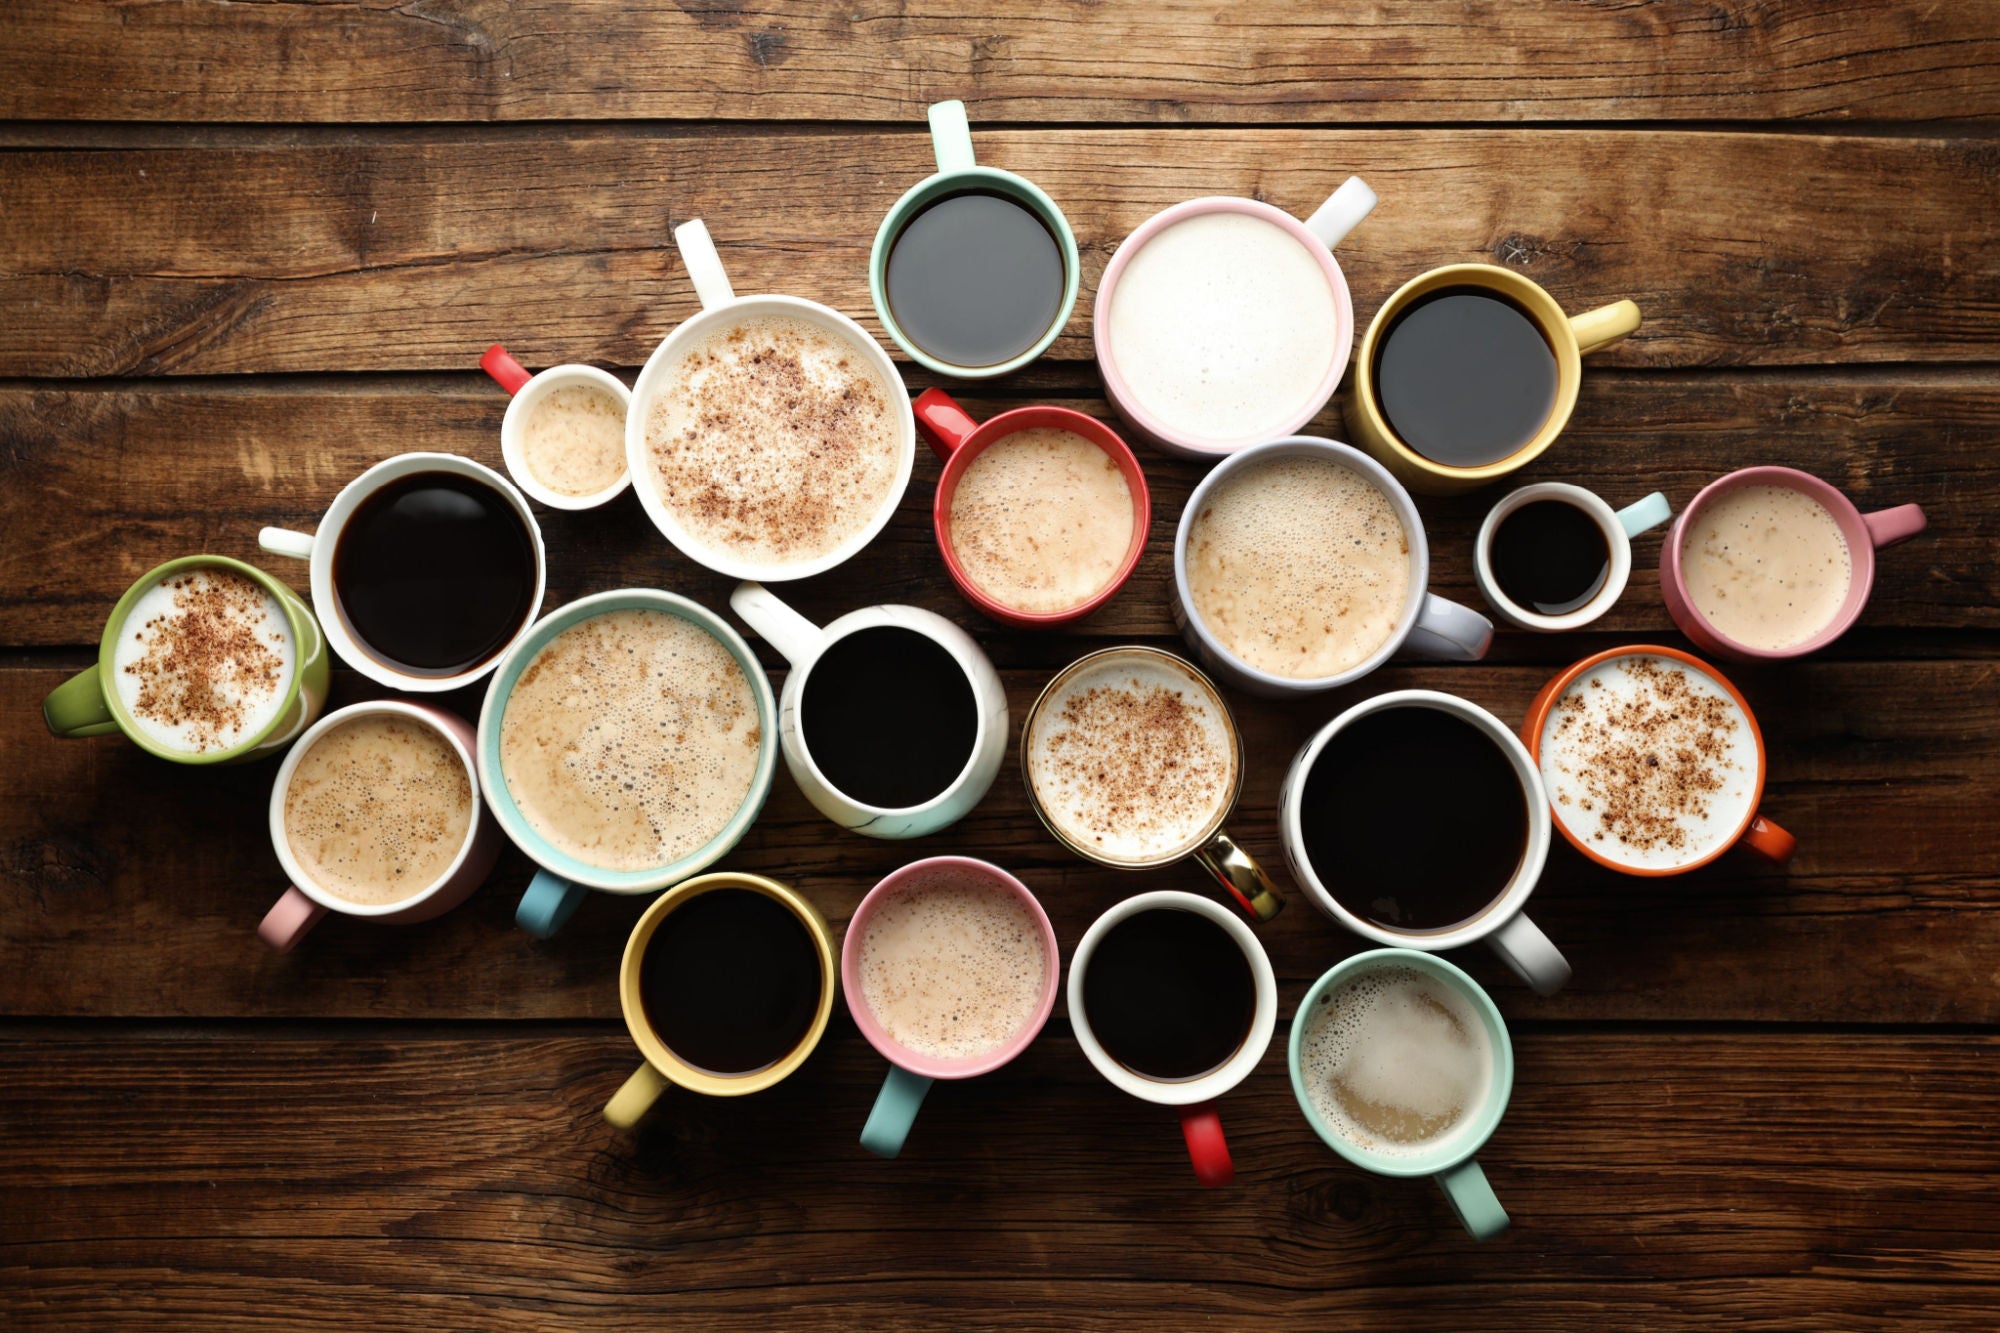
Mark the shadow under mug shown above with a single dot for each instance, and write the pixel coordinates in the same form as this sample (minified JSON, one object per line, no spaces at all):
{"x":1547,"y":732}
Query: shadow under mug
{"x":88,"y":703}
{"x":1864,"y":534}
{"x":1619,"y":527}
{"x":911,"y":1073}
{"x":524,"y":392}
{"x":561,"y":880}
{"x":957,"y":439}
{"x":1503,"y":923}
{"x":662,"y":1068}
{"x":305,"y":902}
{"x":1451,"y":1163}
{"x":957,"y":173}
{"x":1569,"y":337}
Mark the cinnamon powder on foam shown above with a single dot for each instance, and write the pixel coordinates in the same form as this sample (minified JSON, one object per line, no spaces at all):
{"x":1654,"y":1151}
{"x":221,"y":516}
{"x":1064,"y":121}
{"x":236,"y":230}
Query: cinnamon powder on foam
{"x":207,"y":664}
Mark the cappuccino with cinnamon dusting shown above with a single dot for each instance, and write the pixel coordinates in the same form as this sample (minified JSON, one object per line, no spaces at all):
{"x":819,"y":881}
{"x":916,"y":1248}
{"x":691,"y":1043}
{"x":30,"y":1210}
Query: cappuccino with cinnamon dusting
{"x":204,"y":660}
{"x":378,"y":808}
{"x":774,"y":441}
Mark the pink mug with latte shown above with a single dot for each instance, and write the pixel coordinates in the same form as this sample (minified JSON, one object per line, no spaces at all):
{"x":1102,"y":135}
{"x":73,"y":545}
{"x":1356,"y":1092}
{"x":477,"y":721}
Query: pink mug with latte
{"x":1771,"y":562}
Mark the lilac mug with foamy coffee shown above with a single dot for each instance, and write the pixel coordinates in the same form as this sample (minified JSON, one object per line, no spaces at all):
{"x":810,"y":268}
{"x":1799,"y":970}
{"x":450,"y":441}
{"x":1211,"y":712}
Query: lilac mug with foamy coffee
{"x":1771,"y":562}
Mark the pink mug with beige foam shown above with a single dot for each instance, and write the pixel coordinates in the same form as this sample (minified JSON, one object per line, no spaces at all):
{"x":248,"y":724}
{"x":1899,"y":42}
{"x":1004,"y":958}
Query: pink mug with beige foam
{"x":1771,"y":562}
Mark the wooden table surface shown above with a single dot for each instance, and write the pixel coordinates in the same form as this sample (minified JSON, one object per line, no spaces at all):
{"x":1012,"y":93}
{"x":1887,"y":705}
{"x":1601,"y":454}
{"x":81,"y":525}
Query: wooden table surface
{"x":246,"y":250}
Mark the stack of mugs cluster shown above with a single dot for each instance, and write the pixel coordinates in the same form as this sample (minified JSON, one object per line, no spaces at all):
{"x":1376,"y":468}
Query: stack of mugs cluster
{"x":628,"y":740}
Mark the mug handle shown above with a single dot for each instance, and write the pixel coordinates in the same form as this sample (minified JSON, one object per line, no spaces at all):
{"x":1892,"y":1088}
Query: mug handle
{"x":1523,"y":947}
{"x":289,"y":919}
{"x":1237,"y":871}
{"x":783,"y":628}
{"x":508,"y":373}
{"x":1448,"y":632}
{"x":951,"y":136}
{"x":547,"y":903}
{"x":943,"y":422}
{"x":1599,"y":328}
{"x":284,"y":541}
{"x":1887,"y":527}
{"x":1342,"y":212}
{"x":1477,"y":1206}
{"x":704,"y":265}
{"x":1645,"y":515}
{"x":77,"y":707}
{"x":1207,"y":1149}
{"x":894,"y":1112}
{"x":636,"y":1097}
{"x":1769,"y":841}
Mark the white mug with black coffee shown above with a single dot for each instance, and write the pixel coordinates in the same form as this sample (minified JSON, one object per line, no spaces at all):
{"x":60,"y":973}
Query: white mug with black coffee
{"x":1554,"y":556}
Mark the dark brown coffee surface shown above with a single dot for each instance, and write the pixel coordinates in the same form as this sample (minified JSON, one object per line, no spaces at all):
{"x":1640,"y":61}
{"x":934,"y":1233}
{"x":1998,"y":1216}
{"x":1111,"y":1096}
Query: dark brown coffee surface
{"x":1550,"y":557}
{"x":731,"y":981}
{"x":1169,"y":994}
{"x":1465,"y":377}
{"x":888,"y":717}
{"x":975,"y":279}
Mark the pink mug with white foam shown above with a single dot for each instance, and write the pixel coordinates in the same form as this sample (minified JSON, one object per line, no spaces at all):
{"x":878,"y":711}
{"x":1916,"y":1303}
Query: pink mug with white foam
{"x":1863,"y":534}
{"x":911,"y":1072}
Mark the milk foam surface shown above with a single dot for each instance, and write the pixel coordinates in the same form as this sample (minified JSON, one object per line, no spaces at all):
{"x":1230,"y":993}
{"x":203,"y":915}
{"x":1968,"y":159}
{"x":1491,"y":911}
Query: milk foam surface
{"x":204,"y":660}
{"x":774,"y":441}
{"x":1766,"y":565}
{"x":1133,"y":758}
{"x":1299,"y":567}
{"x":953,"y":966}
{"x":1222,"y":326}
{"x":573,"y":439}
{"x":1041,"y":520}
{"x":631,"y":740}
{"x":1396,"y":1061}
{"x":378,"y":809}
{"x":1649,"y":762}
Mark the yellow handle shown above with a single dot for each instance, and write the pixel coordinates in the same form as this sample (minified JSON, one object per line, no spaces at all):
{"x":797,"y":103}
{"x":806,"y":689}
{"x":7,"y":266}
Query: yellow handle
{"x":1239,"y":872}
{"x":633,"y":1100}
{"x":1605,"y":325}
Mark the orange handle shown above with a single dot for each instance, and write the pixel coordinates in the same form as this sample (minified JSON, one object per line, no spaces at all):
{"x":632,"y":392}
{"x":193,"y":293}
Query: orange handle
{"x":1769,"y":841}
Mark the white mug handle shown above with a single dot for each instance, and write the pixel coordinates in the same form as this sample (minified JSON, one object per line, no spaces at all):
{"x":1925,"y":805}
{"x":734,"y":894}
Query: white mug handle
{"x":1448,"y":632}
{"x":785,"y":629}
{"x":1645,"y":515}
{"x":951,"y":136}
{"x":704,"y":265}
{"x":1522,"y":946}
{"x":1342,"y":212}
{"x":283,"y":541}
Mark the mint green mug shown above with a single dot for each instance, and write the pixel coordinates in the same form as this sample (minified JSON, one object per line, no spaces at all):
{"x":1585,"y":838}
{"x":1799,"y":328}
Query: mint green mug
{"x":959,"y":173}
{"x":1369,"y":1063}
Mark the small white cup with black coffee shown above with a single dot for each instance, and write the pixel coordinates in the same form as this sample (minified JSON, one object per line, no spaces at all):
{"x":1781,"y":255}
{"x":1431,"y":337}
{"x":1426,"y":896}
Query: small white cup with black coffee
{"x":1554,"y":556}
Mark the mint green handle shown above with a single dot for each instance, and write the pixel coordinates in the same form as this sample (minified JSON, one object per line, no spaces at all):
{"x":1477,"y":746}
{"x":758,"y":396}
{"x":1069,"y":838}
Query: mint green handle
{"x":77,"y":707}
{"x":1477,"y":1206}
{"x":1645,"y":514}
{"x":951,"y":137}
{"x":895,"y":1111}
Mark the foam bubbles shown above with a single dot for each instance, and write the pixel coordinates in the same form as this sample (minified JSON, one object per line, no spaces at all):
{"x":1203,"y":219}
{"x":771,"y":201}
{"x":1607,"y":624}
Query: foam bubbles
{"x":1766,"y":565}
{"x":1041,"y":520}
{"x":573,"y":439}
{"x":378,"y":809}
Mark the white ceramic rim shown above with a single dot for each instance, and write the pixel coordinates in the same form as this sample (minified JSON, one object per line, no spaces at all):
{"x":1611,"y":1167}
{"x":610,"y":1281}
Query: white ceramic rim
{"x":1614,"y":535}
{"x":511,"y":426}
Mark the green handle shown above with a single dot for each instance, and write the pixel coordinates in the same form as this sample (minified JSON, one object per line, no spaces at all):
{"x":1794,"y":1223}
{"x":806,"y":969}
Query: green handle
{"x":951,"y":137}
{"x":1477,"y":1206}
{"x":895,"y":1111}
{"x":77,"y":707}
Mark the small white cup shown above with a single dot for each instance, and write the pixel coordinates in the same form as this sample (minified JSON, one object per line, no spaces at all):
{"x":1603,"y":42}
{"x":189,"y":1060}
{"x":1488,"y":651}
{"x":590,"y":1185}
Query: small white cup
{"x":527,"y":390}
{"x":802,"y":643}
{"x":318,"y":548}
{"x":1504,"y":924}
{"x":1619,"y":526}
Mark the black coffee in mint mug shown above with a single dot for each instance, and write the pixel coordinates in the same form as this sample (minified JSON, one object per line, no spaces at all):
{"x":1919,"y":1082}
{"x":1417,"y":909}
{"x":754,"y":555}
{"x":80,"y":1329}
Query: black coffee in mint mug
{"x":889,"y":717}
{"x":731,"y":981}
{"x":1169,"y":994}
{"x":975,"y":278}
{"x":1465,"y":377}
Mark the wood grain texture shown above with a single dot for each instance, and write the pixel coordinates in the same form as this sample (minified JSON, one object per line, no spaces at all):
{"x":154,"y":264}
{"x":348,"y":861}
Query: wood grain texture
{"x":103,"y":484}
{"x":1740,"y":248}
{"x":1179,"y":62}
{"x":1657,"y":1180}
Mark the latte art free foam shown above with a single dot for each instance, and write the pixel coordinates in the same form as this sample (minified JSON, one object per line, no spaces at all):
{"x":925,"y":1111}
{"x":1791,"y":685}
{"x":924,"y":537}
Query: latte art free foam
{"x":204,"y":660}
{"x":378,"y":809}
{"x":1766,"y":565}
{"x":1041,"y":520}
{"x":573,"y":439}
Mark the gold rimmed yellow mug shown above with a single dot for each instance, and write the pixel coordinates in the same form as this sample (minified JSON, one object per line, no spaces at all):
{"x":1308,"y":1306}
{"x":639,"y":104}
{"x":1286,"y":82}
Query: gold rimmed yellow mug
{"x":726,"y":984}
{"x":1570,"y":337}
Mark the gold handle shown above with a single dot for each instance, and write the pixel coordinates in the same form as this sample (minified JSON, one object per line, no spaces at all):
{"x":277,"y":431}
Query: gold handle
{"x":1238,"y":871}
{"x":1605,"y":325}
{"x":636,"y":1097}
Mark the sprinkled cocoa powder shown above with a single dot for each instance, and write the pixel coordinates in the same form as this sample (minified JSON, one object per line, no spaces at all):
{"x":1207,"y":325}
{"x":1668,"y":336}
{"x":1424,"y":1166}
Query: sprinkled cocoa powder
{"x":210,"y":662}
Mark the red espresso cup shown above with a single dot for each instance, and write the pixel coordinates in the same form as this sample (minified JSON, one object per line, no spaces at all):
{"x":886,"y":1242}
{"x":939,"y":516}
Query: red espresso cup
{"x":958,"y":440}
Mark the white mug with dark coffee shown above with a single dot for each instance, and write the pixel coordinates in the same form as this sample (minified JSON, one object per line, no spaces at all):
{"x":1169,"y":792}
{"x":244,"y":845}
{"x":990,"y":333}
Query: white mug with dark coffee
{"x":1554,"y":556}
{"x":1417,"y":819}
{"x":892,"y":720}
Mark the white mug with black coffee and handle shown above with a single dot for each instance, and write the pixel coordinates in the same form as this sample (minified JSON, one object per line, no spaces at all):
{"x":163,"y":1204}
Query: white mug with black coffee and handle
{"x":1619,"y":527}
{"x":803,"y":642}
{"x":1504,"y":923}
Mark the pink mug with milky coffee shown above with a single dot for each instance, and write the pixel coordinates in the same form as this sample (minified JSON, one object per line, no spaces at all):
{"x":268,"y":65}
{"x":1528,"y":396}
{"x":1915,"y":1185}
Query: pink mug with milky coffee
{"x":1770,"y":562}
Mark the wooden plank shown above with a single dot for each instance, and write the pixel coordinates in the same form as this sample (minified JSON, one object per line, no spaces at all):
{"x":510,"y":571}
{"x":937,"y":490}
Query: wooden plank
{"x":1758,"y":249}
{"x":99,"y":485}
{"x":1265,"y":61}
{"x":1657,"y":1180}
{"x":129,"y":889}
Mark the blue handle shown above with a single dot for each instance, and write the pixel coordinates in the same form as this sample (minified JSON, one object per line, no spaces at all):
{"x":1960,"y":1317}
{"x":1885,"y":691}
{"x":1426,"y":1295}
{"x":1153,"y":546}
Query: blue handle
{"x":1645,"y":514}
{"x":895,"y":1111}
{"x":549,"y":901}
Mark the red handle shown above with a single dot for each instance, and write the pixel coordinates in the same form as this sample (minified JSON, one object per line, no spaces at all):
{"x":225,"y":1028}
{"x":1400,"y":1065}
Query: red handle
{"x":1207,"y":1149}
{"x":509,"y":373}
{"x":944,"y":423}
{"x":1769,"y":841}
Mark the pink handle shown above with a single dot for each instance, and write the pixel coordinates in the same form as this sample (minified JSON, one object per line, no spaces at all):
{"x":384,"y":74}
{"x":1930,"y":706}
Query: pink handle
{"x":288,"y":920}
{"x":944,"y":423}
{"x":509,"y":373}
{"x":1886,"y":527}
{"x":1207,"y":1149}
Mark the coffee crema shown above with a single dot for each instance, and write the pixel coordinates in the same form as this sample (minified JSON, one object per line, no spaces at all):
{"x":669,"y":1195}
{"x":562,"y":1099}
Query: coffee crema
{"x":1396,"y":1061}
{"x":378,"y":809}
{"x":1133,"y":758}
{"x":1041,"y":520}
{"x":573,"y":439}
{"x":1766,"y":566}
{"x":1298,"y":566}
{"x":1649,"y":762}
{"x":204,"y":660}
{"x":774,"y":441}
{"x":631,"y":739}
{"x":953,"y":966}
